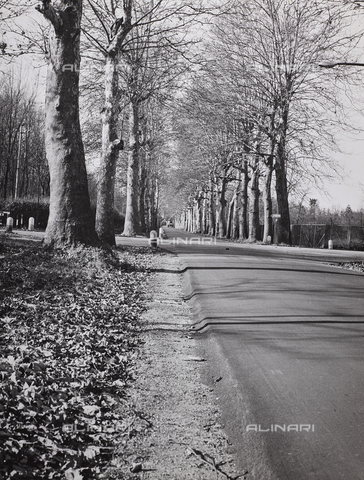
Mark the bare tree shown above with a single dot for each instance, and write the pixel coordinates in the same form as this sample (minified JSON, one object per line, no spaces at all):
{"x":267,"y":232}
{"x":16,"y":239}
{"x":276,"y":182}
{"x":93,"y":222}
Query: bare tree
{"x":70,"y":219}
{"x":106,"y":28}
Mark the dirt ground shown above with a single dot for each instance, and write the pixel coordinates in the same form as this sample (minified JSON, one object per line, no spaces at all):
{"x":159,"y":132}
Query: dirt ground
{"x":175,"y":431}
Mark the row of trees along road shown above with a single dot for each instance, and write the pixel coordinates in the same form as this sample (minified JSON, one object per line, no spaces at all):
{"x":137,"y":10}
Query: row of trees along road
{"x":261,"y":109}
{"x":141,"y":47}
{"x":212,"y":123}
{"x":136,"y":51}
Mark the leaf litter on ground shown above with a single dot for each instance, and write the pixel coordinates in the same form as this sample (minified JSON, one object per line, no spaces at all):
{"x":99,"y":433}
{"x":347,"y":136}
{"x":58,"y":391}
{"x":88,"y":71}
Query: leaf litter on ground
{"x":69,"y":335}
{"x":355,"y":266}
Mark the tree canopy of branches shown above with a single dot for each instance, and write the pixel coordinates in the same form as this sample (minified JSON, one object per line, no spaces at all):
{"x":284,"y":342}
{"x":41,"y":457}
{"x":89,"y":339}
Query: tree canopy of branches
{"x":277,"y":108}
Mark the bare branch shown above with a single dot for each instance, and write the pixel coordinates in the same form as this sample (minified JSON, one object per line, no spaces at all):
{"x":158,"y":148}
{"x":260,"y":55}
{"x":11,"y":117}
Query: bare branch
{"x":50,"y":13}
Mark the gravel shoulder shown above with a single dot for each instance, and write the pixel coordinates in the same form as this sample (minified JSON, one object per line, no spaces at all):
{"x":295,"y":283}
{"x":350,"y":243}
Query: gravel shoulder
{"x":178,"y":435}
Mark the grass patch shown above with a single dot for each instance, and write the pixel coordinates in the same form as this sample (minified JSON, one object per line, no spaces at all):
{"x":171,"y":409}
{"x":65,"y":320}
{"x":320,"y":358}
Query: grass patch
{"x":69,"y":333}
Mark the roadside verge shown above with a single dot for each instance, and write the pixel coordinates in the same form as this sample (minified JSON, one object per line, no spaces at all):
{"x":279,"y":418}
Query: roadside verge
{"x":178,"y":434}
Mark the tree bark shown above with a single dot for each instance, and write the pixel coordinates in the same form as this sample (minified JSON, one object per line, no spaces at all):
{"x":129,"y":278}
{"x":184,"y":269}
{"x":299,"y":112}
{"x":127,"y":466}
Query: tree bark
{"x":267,"y":200}
{"x":204,"y":213}
{"x":193,"y":217}
{"x":154,"y":205}
{"x":190,"y":219}
{"x":212,"y":220}
{"x":142,"y":198}
{"x":111,"y":145}
{"x":70,"y":217}
{"x":221,"y":219}
{"x":284,"y":225}
{"x":131,"y":226}
{"x":254,"y":203}
{"x":198,"y":212}
{"x":235,"y":219}
{"x":231,"y":210}
{"x":243,"y":213}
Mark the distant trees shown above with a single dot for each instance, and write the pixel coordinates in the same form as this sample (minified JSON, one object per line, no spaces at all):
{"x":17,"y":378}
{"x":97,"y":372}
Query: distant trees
{"x":154,"y":60}
{"x":23,"y":166}
{"x":311,"y":213}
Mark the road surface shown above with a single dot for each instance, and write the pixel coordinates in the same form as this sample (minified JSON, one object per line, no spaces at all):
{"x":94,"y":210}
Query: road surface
{"x":283,"y":333}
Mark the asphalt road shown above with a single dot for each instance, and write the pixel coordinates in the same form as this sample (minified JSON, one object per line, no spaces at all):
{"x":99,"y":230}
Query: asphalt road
{"x":283,"y":335}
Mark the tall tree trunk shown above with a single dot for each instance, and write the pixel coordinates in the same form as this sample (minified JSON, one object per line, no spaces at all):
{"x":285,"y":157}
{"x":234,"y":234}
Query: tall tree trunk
{"x":131,"y":226}
{"x":111,"y":145}
{"x":235,"y":214}
{"x":141,"y":199}
{"x":147,"y":204}
{"x":254,"y":203}
{"x":243,"y":213}
{"x":153,"y":205}
{"x":267,"y":200}
{"x":204,"y":213}
{"x":212,"y":220}
{"x":156,"y":198}
{"x":190,"y":219}
{"x":6,"y":179}
{"x":70,"y":217}
{"x":229,"y":226}
{"x":284,"y":224}
{"x":221,"y":209}
{"x":198,"y":212}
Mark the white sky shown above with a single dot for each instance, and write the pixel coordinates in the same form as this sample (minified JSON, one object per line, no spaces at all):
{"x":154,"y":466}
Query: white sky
{"x":347,"y":190}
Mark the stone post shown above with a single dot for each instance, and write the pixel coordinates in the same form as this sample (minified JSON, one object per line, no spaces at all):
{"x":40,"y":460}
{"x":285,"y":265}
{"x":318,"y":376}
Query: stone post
{"x":31,"y":224}
{"x":9,"y":224}
{"x":153,"y":239}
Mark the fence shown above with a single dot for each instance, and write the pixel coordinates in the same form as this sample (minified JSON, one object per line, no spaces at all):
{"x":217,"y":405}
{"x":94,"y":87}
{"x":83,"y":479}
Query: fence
{"x":347,"y":237}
